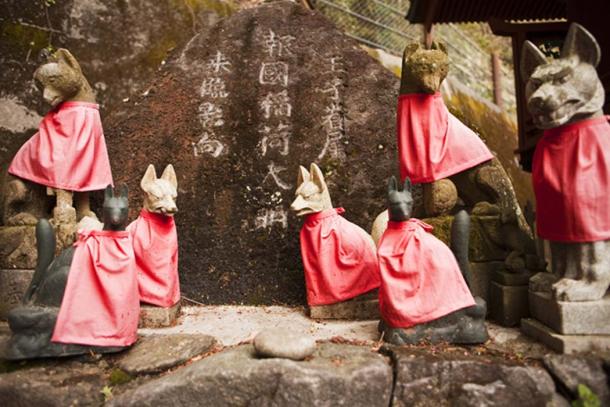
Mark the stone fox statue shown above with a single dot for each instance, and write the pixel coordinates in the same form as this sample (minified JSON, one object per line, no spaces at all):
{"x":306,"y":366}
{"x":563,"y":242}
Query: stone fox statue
{"x":423,"y":294}
{"x":34,"y":324}
{"x":571,"y":167}
{"x":72,"y":127}
{"x":444,"y":156}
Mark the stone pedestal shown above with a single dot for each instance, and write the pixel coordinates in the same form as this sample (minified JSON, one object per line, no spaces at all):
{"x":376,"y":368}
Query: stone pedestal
{"x":569,"y":327}
{"x":571,"y":318}
{"x":364,"y":307}
{"x":157,"y":317}
{"x":564,"y":343}
{"x":508,"y":297}
{"x":13,"y":284}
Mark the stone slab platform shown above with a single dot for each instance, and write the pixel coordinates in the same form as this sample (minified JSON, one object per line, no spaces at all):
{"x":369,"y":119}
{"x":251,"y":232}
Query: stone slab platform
{"x":157,"y":317}
{"x":571,"y":318}
{"x":564,"y":343}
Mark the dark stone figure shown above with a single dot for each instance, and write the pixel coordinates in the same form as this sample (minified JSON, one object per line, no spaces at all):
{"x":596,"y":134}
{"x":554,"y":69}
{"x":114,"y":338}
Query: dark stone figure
{"x":466,"y":325}
{"x":33,"y":322}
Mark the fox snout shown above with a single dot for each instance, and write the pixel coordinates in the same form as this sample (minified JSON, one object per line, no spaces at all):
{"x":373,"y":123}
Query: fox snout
{"x":298,"y":204}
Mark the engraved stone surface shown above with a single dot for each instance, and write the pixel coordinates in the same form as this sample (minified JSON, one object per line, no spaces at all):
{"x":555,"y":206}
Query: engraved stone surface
{"x":18,"y":247}
{"x":236,"y":111}
{"x":571,"y":318}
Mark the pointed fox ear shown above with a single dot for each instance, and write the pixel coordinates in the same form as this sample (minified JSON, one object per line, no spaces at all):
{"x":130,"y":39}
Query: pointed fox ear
{"x":439,"y":46}
{"x":124,"y":192}
{"x":303,"y":176}
{"x":407,"y":185}
{"x":317,"y":177}
{"x":149,"y":177}
{"x":580,"y":43}
{"x":65,"y":56}
{"x":170,"y":175}
{"x":410,"y":50}
{"x":531,"y":58}
{"x":108,"y":193}
{"x":392,"y":184}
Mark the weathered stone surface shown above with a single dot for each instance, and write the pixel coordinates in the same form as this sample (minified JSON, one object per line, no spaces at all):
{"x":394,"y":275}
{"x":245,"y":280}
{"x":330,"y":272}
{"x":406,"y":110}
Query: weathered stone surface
{"x":363,"y":307}
{"x":571,"y":371}
{"x":336,"y":375}
{"x":236,"y":112}
{"x":483,"y":231}
{"x":153,"y":354}
{"x":481,"y":275}
{"x":423,"y":379}
{"x":68,"y":384}
{"x":508,"y":304}
{"x":571,"y":318}
{"x":281,"y":343}
{"x":564,"y":343}
{"x":18,"y":247}
{"x":13,"y":284}
{"x":157,"y":317}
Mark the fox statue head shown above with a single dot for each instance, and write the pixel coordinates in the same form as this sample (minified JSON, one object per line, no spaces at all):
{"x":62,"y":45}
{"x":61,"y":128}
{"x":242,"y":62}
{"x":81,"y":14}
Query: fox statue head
{"x":312,"y":194}
{"x":423,"y":70}
{"x":400,"y":203}
{"x":566,"y":89}
{"x":116,"y":208}
{"x":160,"y":193}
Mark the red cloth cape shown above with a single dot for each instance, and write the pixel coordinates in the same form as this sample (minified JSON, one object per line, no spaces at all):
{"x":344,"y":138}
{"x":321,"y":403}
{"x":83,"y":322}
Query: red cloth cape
{"x":155,"y":245}
{"x":432,"y":143}
{"x":420,"y":277}
{"x":101,"y":306}
{"x":68,"y":152}
{"x":571,"y":178}
{"x":339,"y":262}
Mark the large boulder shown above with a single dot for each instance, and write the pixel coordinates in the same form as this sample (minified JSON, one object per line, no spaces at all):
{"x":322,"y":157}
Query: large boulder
{"x":236,"y":111}
{"x":335,"y":375}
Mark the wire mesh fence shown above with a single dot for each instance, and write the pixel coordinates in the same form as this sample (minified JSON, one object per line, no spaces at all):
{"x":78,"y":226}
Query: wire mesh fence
{"x":382,"y":24}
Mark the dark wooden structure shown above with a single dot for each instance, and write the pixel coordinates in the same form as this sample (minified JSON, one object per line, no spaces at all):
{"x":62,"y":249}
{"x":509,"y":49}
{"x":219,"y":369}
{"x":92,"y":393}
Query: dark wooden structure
{"x":544,"y":22}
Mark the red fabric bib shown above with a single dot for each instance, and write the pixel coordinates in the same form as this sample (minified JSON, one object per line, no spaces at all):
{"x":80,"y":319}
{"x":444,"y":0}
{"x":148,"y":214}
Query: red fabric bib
{"x":68,"y":152}
{"x":338,"y":260}
{"x":100,"y":306}
{"x":571,"y":178}
{"x":420,"y":278}
{"x":432,"y":143}
{"x":155,"y":245}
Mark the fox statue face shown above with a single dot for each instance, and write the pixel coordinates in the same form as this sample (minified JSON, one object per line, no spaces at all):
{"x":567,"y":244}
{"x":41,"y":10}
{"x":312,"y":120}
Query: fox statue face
{"x":567,"y":89}
{"x":400,"y":203}
{"x":423,"y":70}
{"x":60,"y":79}
{"x":160,"y":193}
{"x":312,"y":194}
{"x":116,"y":208}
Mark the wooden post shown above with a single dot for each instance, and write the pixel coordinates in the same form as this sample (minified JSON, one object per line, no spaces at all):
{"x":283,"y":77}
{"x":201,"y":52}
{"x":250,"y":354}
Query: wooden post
{"x":496,"y":75}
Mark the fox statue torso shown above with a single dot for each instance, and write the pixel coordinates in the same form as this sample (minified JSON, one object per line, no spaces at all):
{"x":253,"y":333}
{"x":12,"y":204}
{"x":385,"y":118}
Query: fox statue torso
{"x":53,"y":320}
{"x":571,"y":167}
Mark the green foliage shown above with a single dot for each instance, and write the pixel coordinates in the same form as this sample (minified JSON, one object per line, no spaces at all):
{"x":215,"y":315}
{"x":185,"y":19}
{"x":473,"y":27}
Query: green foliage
{"x":118,"y":377}
{"x":586,"y":398}
{"x":49,"y":3}
{"x":24,"y":38}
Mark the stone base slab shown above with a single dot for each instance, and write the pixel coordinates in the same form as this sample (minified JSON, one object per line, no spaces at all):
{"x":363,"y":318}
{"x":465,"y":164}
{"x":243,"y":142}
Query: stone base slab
{"x":365,"y":307}
{"x":13,"y":284}
{"x":508,"y":304}
{"x":571,"y":318}
{"x":157,"y":317}
{"x":564,"y":343}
